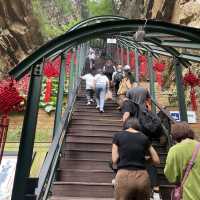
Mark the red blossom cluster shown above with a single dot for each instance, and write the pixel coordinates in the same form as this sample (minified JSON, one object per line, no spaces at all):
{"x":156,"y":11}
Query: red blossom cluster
{"x":10,"y":99}
{"x":191,"y":79}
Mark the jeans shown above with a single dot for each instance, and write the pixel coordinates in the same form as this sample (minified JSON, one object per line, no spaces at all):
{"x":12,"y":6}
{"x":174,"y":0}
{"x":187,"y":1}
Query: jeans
{"x":153,"y":174}
{"x":100,"y":95}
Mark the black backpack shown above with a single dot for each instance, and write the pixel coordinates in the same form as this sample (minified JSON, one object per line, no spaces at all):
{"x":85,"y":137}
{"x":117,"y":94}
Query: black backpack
{"x":118,"y":77}
{"x":149,"y":121}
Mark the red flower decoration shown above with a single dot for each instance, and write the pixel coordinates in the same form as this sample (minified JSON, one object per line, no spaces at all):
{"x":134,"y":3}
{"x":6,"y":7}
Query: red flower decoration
{"x":192,"y":80}
{"x":10,"y":100}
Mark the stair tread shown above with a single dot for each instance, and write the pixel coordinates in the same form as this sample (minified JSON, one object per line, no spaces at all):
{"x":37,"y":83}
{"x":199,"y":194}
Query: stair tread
{"x":81,"y":183}
{"x":77,"y":198}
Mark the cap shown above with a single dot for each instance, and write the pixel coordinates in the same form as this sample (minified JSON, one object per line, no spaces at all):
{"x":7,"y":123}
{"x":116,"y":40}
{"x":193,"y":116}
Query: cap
{"x":127,"y":68}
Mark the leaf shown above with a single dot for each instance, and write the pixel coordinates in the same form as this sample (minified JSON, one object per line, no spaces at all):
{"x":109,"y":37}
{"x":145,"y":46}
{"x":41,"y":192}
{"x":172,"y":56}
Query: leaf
{"x":49,"y":108}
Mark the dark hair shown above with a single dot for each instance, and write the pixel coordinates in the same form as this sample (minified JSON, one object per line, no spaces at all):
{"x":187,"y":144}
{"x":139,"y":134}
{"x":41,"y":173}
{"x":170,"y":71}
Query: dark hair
{"x":181,"y":131}
{"x":131,"y":123}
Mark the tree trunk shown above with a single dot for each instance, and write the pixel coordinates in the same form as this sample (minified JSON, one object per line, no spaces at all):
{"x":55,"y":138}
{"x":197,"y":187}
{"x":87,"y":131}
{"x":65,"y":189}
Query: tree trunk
{"x":19,"y":33}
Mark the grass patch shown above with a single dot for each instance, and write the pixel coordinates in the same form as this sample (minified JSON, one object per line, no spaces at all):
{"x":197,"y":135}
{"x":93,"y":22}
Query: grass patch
{"x":41,"y":150}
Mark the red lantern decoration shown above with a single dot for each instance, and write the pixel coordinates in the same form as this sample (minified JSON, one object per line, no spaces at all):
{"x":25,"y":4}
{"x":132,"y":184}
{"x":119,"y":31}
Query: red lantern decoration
{"x":132,"y":59}
{"x":10,"y":100}
{"x":143,"y":65}
{"x":51,"y":69}
{"x":159,"y":68}
{"x":192,"y":80}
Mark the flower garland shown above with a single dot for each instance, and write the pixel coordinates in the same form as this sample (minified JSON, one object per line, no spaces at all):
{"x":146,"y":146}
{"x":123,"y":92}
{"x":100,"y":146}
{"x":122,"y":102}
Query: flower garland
{"x":159,"y":67}
{"x":10,"y":100}
{"x":143,"y":65}
{"x":192,"y":80}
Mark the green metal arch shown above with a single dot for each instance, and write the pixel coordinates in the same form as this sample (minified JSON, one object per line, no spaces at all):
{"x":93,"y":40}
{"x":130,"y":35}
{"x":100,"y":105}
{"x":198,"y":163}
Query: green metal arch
{"x":85,"y":33}
{"x":92,"y":20}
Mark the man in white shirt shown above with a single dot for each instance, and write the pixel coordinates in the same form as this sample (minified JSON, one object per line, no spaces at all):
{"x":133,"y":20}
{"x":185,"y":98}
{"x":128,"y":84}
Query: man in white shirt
{"x":101,"y":83}
{"x":89,"y":78}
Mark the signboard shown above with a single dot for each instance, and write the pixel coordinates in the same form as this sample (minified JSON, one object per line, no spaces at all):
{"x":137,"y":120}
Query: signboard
{"x":192,"y":118}
{"x":7,"y":172}
{"x":111,"y":41}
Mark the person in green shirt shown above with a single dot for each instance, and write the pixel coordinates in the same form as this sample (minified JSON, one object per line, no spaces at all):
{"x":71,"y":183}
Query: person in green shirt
{"x":177,"y":160}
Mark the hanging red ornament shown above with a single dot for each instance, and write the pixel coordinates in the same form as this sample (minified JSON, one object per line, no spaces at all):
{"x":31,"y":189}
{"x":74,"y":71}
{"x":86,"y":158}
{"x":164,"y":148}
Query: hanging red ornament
{"x":132,"y":59}
{"x":192,"y":80}
{"x":125,"y":56}
{"x":10,"y":100}
{"x":143,"y":65}
{"x":159,"y":68}
{"x":51,"y":69}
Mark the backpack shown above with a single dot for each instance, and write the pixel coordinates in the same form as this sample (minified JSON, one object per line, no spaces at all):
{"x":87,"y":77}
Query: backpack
{"x":118,"y":77}
{"x":109,"y":69}
{"x":149,"y":121}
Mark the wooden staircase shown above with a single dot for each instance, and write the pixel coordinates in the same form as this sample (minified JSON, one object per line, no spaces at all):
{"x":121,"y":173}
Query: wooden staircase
{"x":83,"y":171}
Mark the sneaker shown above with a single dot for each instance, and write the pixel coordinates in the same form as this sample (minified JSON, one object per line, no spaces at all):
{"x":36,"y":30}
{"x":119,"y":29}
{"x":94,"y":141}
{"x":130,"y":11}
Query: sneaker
{"x":156,"y":196}
{"x":88,"y":103}
{"x":113,"y":182}
{"x":92,"y":100}
{"x":97,"y":107}
{"x":101,"y":111}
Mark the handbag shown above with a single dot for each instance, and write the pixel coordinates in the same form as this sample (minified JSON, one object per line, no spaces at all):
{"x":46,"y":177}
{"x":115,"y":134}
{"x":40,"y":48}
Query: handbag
{"x":177,"y":192}
{"x":108,"y":95}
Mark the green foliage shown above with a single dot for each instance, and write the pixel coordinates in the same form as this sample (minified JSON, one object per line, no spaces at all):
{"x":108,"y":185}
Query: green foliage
{"x":65,"y":5}
{"x":48,"y":30}
{"x":51,"y":105}
{"x":100,"y":7}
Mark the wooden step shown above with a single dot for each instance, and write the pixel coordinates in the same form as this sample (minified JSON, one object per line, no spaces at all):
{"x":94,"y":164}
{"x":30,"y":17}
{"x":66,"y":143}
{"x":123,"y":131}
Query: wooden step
{"x":96,"y":122}
{"x":97,"y":176}
{"x":78,"y":198}
{"x":96,"y":113}
{"x":83,"y":189}
{"x":97,"y":128}
{"x":84,"y":164}
{"x":89,"y":140}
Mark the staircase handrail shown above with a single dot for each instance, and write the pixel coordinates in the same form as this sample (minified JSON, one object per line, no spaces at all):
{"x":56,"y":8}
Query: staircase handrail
{"x":163,"y":110}
{"x":49,"y":165}
{"x":172,"y":120}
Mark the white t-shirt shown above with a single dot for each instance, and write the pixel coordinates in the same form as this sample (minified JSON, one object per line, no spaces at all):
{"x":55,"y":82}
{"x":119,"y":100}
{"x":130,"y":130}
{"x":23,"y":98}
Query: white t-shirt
{"x":89,"y":78}
{"x":101,"y":79}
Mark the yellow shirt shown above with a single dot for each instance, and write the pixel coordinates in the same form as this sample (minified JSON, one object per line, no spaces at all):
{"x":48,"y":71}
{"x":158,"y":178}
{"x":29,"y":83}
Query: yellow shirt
{"x":178,"y":157}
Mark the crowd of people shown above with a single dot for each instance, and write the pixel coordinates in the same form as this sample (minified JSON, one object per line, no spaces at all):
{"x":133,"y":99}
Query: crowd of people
{"x":132,"y":152}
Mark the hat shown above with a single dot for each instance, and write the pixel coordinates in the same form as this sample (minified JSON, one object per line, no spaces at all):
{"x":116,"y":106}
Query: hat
{"x":127,"y":68}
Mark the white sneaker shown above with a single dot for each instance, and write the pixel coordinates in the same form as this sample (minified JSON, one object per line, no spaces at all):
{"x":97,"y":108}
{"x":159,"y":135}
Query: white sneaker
{"x":156,"y":196}
{"x":97,"y":107}
{"x":88,"y":103}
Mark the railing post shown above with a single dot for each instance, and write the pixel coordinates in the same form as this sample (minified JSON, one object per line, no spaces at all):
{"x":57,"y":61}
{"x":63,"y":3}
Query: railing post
{"x":152,"y":80}
{"x":137,"y":70}
{"x":180,"y":91}
{"x":28,"y":135}
{"x":60,"y":93}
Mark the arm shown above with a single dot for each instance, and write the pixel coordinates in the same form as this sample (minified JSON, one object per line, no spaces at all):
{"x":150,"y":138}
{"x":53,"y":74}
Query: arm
{"x":154,"y":156}
{"x":126,"y":115}
{"x":115,"y":154}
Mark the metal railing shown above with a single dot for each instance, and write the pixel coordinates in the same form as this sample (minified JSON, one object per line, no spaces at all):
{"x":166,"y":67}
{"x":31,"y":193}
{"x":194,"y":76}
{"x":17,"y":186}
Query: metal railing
{"x":47,"y":172}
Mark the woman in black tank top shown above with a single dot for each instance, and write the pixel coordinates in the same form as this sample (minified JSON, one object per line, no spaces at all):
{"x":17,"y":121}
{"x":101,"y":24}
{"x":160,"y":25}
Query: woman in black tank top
{"x":129,"y":149}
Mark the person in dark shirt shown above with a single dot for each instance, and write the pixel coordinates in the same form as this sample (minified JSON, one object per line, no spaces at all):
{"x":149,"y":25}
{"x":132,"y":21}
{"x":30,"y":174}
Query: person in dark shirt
{"x":140,"y":96}
{"x":128,"y":153}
